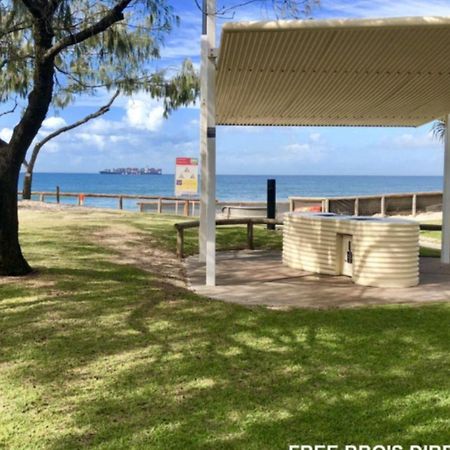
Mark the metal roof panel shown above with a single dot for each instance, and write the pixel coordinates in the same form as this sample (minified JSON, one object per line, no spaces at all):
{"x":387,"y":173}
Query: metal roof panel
{"x":386,"y":72}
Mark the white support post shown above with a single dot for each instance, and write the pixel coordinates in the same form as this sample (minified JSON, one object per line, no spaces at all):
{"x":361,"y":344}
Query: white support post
{"x":414,"y":205}
{"x":445,"y":250}
{"x":211,"y":212}
{"x":211,"y":148}
{"x":383,"y":206}
{"x":207,"y":233}
{"x":203,"y":131}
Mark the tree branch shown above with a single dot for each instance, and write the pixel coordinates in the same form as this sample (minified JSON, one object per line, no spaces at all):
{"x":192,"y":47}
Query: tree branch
{"x":102,"y":110}
{"x":114,"y":15}
{"x":282,"y":8}
{"x":41,"y":94}
{"x":37,"y":8}
{"x":18,"y":27}
{"x":11,"y":110}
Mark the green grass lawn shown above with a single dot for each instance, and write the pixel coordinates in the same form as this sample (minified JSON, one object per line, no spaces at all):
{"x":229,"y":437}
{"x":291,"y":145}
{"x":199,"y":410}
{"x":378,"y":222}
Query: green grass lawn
{"x":427,"y":251}
{"x":432,"y":234}
{"x":430,"y":252}
{"x":228,"y":237}
{"x":96,"y":353}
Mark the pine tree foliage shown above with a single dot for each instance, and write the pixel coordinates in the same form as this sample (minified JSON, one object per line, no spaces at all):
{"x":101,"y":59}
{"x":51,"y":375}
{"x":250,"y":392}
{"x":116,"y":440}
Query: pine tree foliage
{"x":122,"y":56}
{"x":294,"y":8}
{"x":439,"y":129}
{"x":53,"y":50}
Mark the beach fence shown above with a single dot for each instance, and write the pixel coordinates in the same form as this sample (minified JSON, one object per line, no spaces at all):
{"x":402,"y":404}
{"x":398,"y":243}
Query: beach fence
{"x":411,"y":203}
{"x":158,"y":204}
{"x":384,"y":204}
{"x":225,"y":210}
{"x":147,"y":203}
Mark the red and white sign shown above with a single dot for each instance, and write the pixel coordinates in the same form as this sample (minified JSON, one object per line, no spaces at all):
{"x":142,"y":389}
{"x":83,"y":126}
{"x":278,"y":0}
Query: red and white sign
{"x":186,"y":176}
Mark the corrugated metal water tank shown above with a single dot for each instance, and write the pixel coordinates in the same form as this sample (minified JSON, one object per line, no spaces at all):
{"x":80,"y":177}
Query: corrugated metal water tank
{"x":381,"y":252}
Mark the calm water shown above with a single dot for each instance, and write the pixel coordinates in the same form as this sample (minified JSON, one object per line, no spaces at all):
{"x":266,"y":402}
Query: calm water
{"x":232,"y":187}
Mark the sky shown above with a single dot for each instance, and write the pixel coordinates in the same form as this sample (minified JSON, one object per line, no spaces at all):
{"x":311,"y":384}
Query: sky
{"x":135,"y":133}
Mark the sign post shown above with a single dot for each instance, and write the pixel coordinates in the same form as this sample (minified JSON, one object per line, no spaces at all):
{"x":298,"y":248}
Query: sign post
{"x":271,"y":202}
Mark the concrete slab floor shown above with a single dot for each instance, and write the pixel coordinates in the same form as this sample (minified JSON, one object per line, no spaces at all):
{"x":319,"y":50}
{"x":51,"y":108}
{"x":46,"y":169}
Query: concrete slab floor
{"x":259,"y":278}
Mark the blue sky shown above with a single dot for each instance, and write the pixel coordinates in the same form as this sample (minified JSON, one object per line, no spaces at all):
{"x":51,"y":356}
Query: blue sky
{"x":134,"y":133}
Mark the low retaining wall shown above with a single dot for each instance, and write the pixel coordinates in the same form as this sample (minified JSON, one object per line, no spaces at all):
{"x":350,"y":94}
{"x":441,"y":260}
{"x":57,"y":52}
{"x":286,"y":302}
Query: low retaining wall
{"x":231,"y":210}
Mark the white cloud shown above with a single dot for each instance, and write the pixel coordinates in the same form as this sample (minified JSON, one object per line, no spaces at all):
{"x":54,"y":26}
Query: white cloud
{"x":301,"y":152}
{"x":52,"y":147}
{"x":144,"y":113}
{"x":182,"y":47}
{"x":5,"y":134}
{"x":53,"y":123}
{"x":103,"y":126}
{"x":243,"y":129}
{"x":414,"y":141}
{"x":185,"y":41}
{"x":140,"y":122}
{"x":298,"y":149}
{"x":116,"y":139}
{"x":96,"y":140}
{"x":313,"y":150}
{"x":99,"y":125}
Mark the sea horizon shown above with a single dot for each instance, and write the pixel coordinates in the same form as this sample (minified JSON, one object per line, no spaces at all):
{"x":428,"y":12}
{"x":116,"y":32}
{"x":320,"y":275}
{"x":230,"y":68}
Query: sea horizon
{"x":231,"y":188}
{"x":249,"y":174}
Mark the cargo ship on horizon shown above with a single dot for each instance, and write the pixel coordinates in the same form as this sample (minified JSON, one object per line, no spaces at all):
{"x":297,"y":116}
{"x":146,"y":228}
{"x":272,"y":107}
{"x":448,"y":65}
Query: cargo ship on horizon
{"x":132,"y":171}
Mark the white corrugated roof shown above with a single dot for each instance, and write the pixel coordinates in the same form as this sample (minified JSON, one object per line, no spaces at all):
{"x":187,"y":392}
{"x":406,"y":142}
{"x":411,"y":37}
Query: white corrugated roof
{"x":387,"y":72}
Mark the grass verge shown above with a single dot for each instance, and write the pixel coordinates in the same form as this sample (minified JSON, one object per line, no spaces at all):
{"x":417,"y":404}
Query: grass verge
{"x":99,"y":354}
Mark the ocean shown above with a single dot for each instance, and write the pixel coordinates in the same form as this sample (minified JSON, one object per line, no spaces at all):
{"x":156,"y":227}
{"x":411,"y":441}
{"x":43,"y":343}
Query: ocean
{"x":231,"y":187}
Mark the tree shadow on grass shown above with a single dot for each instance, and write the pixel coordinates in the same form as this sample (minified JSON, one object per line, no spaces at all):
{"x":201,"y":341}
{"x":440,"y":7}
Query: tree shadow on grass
{"x":232,"y":378}
{"x":168,"y":369}
{"x":123,"y":359}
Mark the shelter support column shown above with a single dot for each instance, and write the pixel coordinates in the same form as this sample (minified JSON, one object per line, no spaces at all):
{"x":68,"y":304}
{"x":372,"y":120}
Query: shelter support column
{"x":203,"y":147}
{"x":207,"y":234}
{"x":445,"y":251}
{"x":203,"y":131}
{"x":211,"y":208}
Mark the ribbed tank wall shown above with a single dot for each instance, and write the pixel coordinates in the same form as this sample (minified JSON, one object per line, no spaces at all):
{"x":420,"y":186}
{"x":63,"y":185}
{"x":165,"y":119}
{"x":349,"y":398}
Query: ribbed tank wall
{"x":385,"y":251}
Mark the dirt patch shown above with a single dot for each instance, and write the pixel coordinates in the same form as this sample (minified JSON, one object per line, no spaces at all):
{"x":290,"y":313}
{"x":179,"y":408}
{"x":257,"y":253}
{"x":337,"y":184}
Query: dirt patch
{"x":43,"y":206}
{"x":128,"y":245}
{"x":34,"y":205}
{"x":140,"y":250}
{"x":33,"y":280}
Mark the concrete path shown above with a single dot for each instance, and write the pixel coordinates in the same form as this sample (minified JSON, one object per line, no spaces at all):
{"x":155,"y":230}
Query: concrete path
{"x":259,"y":278}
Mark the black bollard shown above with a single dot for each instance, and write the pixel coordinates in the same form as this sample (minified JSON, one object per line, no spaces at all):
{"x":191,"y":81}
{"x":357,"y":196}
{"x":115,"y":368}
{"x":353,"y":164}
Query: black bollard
{"x":271,"y":201}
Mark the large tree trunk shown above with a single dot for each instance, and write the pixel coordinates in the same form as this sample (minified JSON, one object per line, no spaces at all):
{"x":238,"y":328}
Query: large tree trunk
{"x":12,"y":261}
{"x":13,"y":153}
{"x":27,"y":183}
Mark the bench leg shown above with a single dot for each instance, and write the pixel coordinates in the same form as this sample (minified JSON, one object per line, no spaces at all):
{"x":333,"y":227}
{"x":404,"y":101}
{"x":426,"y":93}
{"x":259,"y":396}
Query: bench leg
{"x":180,"y":244}
{"x":250,"y":245}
